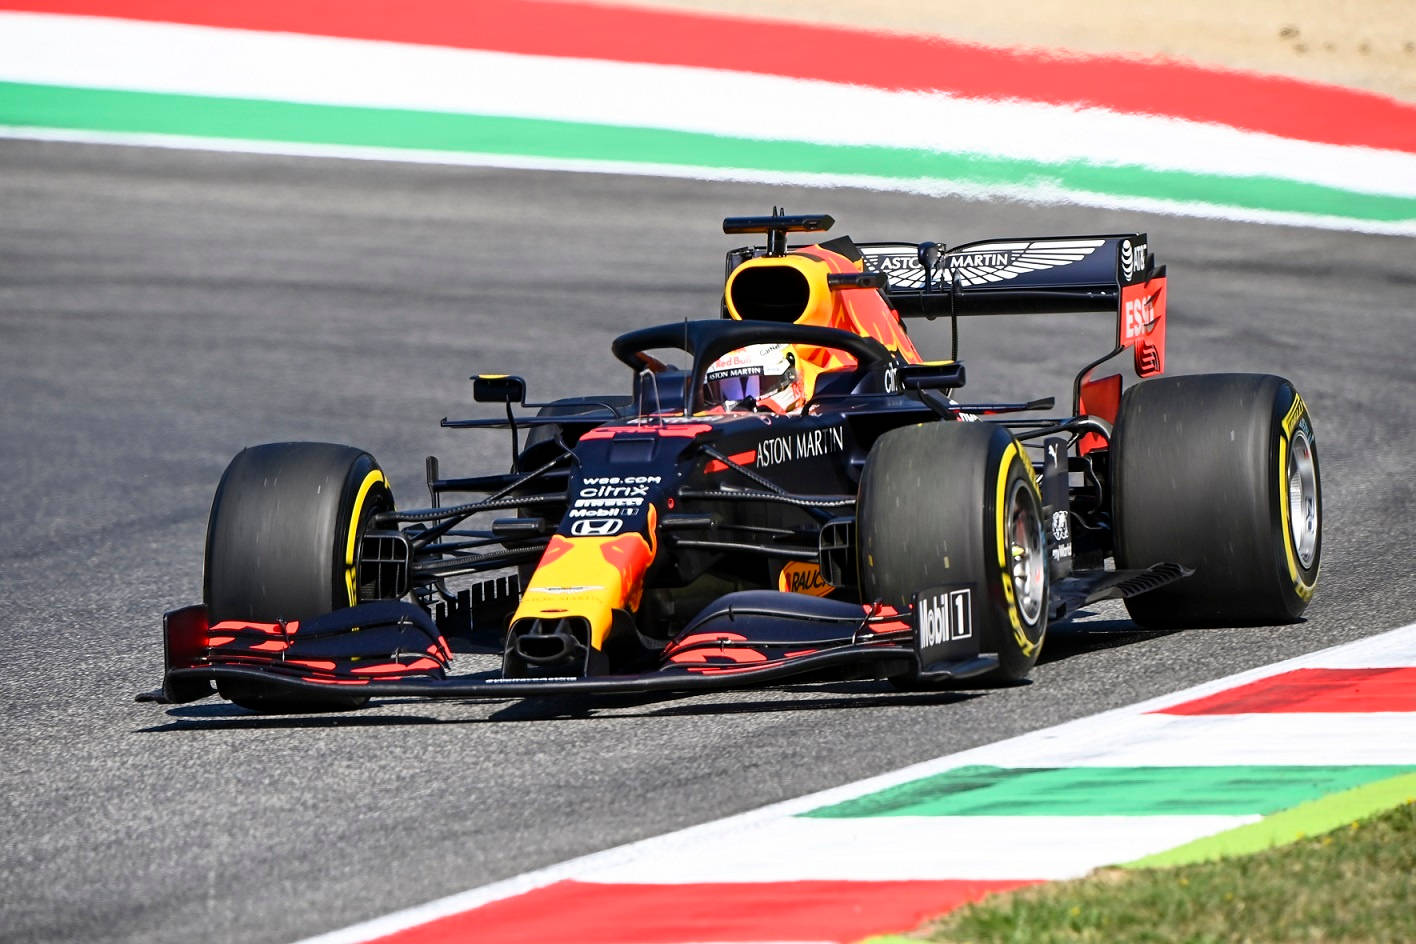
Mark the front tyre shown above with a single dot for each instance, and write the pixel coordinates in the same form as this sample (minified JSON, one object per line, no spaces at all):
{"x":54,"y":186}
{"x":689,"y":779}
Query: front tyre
{"x":283,"y":542}
{"x":1218,"y":472}
{"x":957,"y":503}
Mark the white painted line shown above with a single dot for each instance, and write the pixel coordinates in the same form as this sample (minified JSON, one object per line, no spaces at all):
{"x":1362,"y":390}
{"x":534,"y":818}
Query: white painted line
{"x":904,"y":848}
{"x":97,"y":52}
{"x":1154,"y":740}
{"x":1041,"y":748}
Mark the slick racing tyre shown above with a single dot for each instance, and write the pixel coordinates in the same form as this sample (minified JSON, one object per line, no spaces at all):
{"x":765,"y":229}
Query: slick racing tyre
{"x":1218,"y":472}
{"x":283,"y":542}
{"x":944,"y":503}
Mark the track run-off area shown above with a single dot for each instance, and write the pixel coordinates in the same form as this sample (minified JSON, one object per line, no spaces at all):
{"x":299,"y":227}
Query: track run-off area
{"x":1228,"y":767}
{"x":528,"y":83}
{"x":161,"y":307}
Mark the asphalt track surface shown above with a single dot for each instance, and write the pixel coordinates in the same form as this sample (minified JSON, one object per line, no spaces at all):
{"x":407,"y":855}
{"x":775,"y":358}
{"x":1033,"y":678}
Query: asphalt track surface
{"x":159,"y":310}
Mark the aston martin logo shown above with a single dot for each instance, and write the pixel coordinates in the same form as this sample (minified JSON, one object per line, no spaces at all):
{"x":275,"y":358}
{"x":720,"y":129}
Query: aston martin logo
{"x":986,"y":262}
{"x":998,"y":262}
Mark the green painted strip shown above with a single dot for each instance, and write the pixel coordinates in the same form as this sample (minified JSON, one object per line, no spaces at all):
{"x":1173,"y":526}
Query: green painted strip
{"x":1109,"y":791}
{"x":1307,"y":819}
{"x":59,"y":107}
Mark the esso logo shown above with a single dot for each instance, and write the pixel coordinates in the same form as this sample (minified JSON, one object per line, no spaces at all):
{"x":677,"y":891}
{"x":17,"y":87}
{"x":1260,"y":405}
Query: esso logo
{"x":1137,"y":318}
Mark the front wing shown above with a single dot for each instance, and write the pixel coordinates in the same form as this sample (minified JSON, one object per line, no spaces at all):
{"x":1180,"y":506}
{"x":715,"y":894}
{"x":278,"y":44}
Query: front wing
{"x":393,"y":650}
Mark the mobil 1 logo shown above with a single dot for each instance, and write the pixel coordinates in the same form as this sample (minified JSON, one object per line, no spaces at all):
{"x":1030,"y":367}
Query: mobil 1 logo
{"x":944,"y":630}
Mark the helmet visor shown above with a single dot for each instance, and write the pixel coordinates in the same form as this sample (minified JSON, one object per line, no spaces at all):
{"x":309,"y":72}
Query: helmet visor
{"x":728,"y":390}
{"x":749,"y":373}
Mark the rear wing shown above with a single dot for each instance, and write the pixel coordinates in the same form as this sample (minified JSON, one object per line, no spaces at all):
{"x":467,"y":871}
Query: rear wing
{"x":1114,"y":273}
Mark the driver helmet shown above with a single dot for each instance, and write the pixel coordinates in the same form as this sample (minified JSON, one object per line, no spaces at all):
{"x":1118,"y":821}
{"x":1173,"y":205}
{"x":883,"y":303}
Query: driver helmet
{"x":756,"y":377}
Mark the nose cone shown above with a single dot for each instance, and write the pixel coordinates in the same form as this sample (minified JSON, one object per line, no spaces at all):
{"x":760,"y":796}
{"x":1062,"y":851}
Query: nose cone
{"x":548,"y":643}
{"x":587,"y":578}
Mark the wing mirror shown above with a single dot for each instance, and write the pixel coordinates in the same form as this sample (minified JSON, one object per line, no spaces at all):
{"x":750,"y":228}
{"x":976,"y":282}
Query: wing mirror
{"x":498,"y":388}
{"x":946,"y":375}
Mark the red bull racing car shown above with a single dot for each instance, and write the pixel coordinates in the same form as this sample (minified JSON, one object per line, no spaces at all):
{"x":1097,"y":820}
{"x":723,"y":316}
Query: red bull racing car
{"x":787,"y":491}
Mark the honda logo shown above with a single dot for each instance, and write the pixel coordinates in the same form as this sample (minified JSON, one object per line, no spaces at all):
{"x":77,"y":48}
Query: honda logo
{"x":596,"y":527}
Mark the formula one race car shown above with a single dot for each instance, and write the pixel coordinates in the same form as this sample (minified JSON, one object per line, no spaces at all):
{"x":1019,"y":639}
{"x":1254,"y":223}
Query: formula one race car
{"x":805,"y":498}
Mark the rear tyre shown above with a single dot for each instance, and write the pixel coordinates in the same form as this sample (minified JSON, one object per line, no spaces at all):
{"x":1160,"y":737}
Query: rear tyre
{"x":1218,"y":472}
{"x":957,"y":503}
{"x":283,"y":543}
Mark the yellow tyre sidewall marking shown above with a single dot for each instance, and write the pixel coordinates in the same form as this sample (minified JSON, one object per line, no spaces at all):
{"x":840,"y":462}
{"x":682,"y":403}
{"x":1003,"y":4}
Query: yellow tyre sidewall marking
{"x":1291,"y":419}
{"x":1005,"y":466}
{"x":351,"y":576}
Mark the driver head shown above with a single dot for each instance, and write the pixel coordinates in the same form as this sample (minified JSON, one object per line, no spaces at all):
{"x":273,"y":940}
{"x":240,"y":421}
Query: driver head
{"x":759,"y":376}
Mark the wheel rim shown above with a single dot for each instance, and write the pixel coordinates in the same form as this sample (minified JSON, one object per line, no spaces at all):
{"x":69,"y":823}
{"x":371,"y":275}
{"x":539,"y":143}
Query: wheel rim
{"x":1303,"y":498}
{"x":1027,"y":554}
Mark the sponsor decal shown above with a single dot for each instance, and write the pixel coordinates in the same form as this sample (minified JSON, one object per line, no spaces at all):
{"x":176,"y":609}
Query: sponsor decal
{"x":747,"y":371}
{"x":596,"y":527}
{"x":615,"y":486}
{"x":998,"y":262}
{"x":803,"y":577}
{"x":533,"y":680}
{"x":1141,"y":324}
{"x":611,"y":497}
{"x":944,"y":617}
{"x":804,"y":445}
{"x":1137,"y":317}
{"x":1297,"y":417}
{"x":991,"y":262}
{"x":903,"y":269}
{"x":624,"y":480}
{"x":901,"y":262}
{"x":1133,"y":259}
{"x":602,"y":511}
{"x":743,"y":362}
{"x":563,"y":589}
{"x":1062,"y":535}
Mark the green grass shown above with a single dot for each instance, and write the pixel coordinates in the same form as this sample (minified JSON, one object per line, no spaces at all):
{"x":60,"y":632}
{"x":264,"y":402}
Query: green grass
{"x":1354,"y":884}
